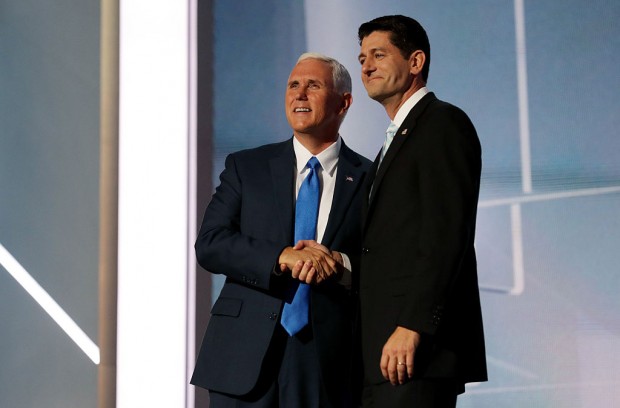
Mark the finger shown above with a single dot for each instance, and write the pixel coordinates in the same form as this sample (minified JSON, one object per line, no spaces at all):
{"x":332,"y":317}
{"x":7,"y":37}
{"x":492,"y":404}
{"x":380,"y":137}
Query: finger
{"x":393,"y":371}
{"x":401,"y":368}
{"x":303,"y":243}
{"x":304,"y":270}
{"x":326,"y":267}
{"x":410,"y":364}
{"x":311,"y":276}
{"x":318,"y":265}
{"x":297,"y":268}
{"x":383,"y":364}
{"x":319,"y":277}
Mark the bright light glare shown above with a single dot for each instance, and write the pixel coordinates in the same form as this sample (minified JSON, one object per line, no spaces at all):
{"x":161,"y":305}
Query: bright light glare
{"x":48,"y":304}
{"x":154,"y":177}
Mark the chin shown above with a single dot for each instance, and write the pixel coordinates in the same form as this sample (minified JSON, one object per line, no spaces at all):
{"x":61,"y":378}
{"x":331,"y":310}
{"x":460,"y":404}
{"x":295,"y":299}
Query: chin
{"x":376,"y":96}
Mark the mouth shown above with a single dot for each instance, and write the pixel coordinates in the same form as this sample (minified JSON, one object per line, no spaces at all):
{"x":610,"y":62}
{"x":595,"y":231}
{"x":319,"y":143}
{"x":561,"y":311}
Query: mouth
{"x":301,"y":110}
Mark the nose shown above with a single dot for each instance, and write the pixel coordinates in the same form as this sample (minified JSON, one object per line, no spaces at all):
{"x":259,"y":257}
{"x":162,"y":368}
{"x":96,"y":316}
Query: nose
{"x":367,"y":66}
{"x":300,"y":93}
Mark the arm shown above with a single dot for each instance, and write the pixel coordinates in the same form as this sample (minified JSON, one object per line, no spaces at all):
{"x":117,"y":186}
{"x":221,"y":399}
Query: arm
{"x":449,"y":167}
{"x":245,"y":252}
{"x":224,"y":246}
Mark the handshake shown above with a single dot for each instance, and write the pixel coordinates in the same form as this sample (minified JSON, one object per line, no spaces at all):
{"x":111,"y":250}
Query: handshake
{"x":310,"y":262}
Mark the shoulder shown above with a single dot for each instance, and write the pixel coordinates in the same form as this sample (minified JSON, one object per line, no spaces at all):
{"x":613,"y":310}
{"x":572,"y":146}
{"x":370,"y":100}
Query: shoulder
{"x":250,"y":163}
{"x":445,"y":112}
{"x":355,"y":158}
{"x":262,"y":152}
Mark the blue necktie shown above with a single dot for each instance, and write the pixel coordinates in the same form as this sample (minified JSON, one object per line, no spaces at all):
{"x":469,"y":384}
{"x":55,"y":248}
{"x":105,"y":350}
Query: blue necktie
{"x":295,"y":314}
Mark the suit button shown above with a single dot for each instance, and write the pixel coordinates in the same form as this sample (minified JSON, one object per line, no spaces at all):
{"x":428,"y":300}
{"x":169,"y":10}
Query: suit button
{"x":365,"y":251}
{"x":273,"y":316}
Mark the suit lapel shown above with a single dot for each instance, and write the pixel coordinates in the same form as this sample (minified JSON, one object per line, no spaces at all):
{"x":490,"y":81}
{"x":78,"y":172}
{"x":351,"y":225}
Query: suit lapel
{"x":283,"y":181}
{"x":405,"y":132}
{"x":348,"y":180}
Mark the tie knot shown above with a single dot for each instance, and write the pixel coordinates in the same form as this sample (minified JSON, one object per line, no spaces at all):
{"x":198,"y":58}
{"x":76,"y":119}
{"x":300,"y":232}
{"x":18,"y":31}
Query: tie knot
{"x":391,"y":130}
{"x":313,"y":163}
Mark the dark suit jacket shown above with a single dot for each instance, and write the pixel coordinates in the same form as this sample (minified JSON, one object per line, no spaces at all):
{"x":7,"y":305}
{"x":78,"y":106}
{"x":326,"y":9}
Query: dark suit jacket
{"x":247,"y":224}
{"x":418,"y":265}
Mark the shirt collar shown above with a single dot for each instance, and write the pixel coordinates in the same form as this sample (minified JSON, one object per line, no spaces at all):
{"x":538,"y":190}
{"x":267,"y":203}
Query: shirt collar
{"x":328,"y":157}
{"x":408,"y":105}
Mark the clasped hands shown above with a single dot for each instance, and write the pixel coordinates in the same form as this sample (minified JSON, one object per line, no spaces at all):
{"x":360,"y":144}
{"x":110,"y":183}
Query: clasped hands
{"x":310,"y":262}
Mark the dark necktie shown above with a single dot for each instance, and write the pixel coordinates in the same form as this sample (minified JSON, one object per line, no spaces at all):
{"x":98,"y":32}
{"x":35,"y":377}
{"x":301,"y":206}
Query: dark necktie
{"x":295,"y":314}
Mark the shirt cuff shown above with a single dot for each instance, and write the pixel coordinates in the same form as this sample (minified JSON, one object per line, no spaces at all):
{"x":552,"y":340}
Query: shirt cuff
{"x":346,"y":279}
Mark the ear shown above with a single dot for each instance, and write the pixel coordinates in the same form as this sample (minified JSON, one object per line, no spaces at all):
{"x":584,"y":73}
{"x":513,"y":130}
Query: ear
{"x":416,"y":62}
{"x":347,"y":100}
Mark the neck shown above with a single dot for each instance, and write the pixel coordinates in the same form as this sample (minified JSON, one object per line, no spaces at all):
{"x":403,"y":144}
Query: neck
{"x":315,"y":144}
{"x":393,"y":104}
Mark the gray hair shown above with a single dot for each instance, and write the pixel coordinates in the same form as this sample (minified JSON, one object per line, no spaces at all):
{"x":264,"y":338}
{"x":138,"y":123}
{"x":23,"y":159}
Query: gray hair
{"x":341,"y":77}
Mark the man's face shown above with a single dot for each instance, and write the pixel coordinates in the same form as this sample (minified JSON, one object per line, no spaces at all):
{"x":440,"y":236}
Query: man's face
{"x":385,"y":73}
{"x":312,"y":104}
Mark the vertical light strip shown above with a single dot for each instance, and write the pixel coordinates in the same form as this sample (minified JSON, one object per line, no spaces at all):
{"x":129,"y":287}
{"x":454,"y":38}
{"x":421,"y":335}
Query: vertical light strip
{"x":192,"y":196}
{"x":108,"y":203}
{"x":154,"y":159}
{"x":524,"y":116}
{"x":53,"y":309}
{"x":517,"y":250}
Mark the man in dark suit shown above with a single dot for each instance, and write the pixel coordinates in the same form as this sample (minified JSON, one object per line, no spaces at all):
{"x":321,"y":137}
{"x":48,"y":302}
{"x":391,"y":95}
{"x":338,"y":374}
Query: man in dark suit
{"x":247,"y":359}
{"x":421,"y":322}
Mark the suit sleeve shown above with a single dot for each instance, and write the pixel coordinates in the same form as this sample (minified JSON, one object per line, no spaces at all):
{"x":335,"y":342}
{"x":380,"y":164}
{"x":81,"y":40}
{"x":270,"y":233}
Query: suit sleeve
{"x":449,"y":167}
{"x":222,"y":247}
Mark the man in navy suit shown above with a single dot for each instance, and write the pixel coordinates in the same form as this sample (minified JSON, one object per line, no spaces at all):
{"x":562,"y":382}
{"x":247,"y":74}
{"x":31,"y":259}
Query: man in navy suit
{"x":422,"y":336}
{"x":247,"y":359}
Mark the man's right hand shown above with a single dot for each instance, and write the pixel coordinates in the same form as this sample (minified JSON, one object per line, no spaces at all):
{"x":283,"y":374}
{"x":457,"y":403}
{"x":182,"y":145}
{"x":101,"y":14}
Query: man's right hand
{"x":311,"y":264}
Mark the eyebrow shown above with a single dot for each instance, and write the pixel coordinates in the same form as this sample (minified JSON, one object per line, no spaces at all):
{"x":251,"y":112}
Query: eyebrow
{"x":372,"y":50}
{"x":310,"y":82}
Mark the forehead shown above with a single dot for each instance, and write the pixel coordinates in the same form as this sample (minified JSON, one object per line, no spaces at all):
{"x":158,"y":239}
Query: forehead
{"x":377,"y":39}
{"x":312,"y":70}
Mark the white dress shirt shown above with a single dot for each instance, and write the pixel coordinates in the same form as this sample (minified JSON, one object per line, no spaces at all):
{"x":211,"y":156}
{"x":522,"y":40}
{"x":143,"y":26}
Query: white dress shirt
{"x":404,"y":110}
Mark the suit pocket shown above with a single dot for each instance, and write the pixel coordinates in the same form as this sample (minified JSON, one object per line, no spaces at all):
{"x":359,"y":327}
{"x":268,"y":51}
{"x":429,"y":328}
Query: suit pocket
{"x":227,"y":307}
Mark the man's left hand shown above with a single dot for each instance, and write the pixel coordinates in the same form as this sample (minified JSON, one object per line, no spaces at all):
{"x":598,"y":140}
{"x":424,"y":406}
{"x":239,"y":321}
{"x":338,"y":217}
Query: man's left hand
{"x":397,"y":357}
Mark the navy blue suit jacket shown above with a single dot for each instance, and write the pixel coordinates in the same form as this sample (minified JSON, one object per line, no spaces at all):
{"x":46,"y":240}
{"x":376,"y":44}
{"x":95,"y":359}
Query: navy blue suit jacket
{"x":247,"y":224}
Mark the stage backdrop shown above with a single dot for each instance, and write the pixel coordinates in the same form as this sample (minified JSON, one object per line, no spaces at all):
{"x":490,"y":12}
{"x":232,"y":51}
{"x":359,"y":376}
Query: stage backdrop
{"x":49,"y":203}
{"x":540,"y":82}
{"x":538,"y":79}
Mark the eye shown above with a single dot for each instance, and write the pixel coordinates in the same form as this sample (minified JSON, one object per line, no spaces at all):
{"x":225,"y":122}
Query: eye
{"x":362,"y":60}
{"x":379,"y":55}
{"x":314,"y":86}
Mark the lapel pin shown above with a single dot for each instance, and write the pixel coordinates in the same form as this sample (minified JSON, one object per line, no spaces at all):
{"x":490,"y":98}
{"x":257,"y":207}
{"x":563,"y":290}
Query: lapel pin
{"x":349,"y":178}
{"x":404,"y":132}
